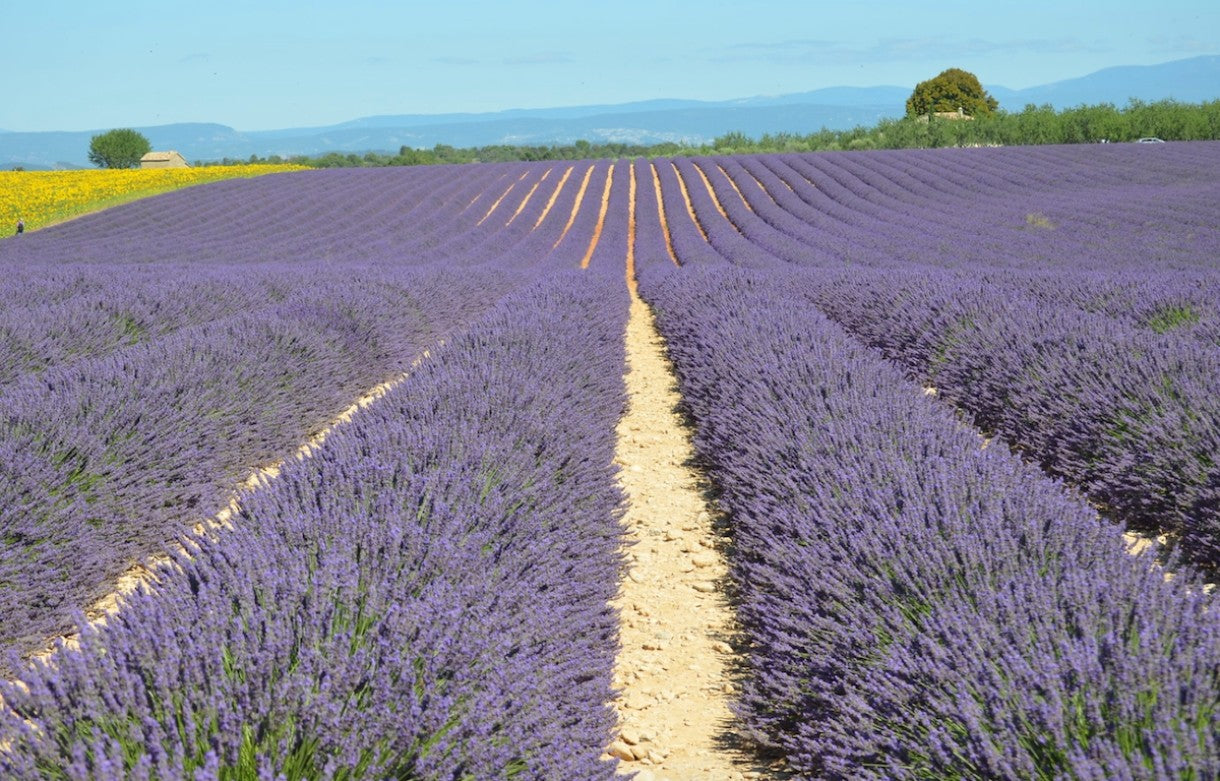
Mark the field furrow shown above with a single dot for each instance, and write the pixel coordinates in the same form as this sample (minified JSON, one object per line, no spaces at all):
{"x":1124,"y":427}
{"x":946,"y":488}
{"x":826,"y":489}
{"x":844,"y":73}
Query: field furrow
{"x":554,"y":195}
{"x":691,"y":482}
{"x":669,"y":240}
{"x":580,"y":197}
{"x":601,"y":219}
{"x":674,"y":670}
{"x":496,"y":204}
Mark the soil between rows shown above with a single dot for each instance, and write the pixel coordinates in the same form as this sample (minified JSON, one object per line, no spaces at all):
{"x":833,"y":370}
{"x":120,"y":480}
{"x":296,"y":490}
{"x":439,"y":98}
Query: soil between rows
{"x":675,"y":670}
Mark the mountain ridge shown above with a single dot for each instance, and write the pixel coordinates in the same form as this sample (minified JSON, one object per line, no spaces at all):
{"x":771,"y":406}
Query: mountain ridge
{"x":652,"y":121}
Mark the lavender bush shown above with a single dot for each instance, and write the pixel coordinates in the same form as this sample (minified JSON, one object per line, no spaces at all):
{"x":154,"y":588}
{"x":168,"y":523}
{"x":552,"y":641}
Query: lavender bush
{"x":155,"y":355}
{"x":1129,"y":415}
{"x":426,"y":598}
{"x":134,"y":448}
{"x":917,"y":606}
{"x":982,"y":303}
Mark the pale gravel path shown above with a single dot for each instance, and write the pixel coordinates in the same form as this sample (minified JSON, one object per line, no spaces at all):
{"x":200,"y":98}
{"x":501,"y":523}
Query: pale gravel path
{"x":673,"y":672}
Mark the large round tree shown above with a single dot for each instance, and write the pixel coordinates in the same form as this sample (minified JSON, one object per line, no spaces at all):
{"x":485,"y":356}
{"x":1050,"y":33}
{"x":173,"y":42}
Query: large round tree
{"x":121,"y":148}
{"x":951,"y":90}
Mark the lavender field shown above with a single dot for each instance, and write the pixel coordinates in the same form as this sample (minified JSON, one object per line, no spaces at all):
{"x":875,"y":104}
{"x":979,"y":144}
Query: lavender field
{"x":932,"y":390}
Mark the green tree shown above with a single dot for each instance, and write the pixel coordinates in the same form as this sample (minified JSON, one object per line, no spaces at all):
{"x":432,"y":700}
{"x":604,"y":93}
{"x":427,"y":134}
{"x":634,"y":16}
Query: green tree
{"x":949,"y":91}
{"x":121,"y":148}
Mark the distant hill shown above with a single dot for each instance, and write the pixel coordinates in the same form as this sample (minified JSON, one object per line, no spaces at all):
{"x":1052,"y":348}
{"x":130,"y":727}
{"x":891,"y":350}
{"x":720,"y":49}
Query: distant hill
{"x":1190,"y":81}
{"x":643,"y":122}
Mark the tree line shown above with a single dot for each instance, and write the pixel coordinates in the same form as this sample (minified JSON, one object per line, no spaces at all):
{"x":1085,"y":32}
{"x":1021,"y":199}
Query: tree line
{"x":494,"y":153}
{"x":1168,"y":120}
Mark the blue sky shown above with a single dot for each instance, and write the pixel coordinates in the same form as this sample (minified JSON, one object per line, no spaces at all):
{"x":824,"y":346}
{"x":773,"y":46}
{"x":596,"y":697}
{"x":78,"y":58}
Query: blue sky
{"x":252,"y":65}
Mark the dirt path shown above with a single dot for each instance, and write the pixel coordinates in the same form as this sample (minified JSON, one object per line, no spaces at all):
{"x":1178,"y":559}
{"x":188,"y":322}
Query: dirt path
{"x":601,"y":219}
{"x":524,"y":201}
{"x":554,"y":196}
{"x":690,"y":208}
{"x":669,"y":239}
{"x":673,"y":671}
{"x":504,"y":195}
{"x":580,"y":196}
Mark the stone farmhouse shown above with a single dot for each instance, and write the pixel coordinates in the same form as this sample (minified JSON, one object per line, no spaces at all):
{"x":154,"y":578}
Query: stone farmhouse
{"x":170,"y":159}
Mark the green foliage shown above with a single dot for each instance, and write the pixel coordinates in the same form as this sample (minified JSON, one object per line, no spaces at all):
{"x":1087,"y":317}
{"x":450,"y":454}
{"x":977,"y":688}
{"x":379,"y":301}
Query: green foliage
{"x":950,"y":90}
{"x":1166,"y":119}
{"x":1039,"y":220}
{"x":1170,"y":317}
{"x":120,"y":148}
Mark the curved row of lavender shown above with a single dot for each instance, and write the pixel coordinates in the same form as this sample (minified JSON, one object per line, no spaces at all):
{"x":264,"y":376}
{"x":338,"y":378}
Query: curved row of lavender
{"x":1149,"y":251}
{"x":916,"y":606}
{"x":1066,"y":209}
{"x":1122,"y":403}
{"x":1130,"y":416}
{"x":141,"y":270}
{"x":164,"y":350}
{"x":413,"y":217}
{"x":425,"y":598}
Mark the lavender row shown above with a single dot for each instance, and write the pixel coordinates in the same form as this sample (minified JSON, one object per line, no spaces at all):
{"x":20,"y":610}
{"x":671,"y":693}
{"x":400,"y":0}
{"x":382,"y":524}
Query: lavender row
{"x":503,"y":221}
{"x":957,"y":184}
{"x":947,"y":184}
{"x":318,"y":215}
{"x":338,"y":216}
{"x":1066,"y":166}
{"x":653,"y":243}
{"x":182,"y":264}
{"x":105,"y":459}
{"x":425,"y":598}
{"x":916,"y":606}
{"x":1130,"y":416}
{"x":686,"y":233}
{"x":109,"y":308}
{"x":96,"y":310}
{"x":819,"y":201}
{"x":486,"y":229}
{"x":134,"y":414}
{"x":1182,"y":303}
{"x":577,"y":229}
{"x":608,"y":255}
{"x":678,"y":181}
{"x":1157,"y":297}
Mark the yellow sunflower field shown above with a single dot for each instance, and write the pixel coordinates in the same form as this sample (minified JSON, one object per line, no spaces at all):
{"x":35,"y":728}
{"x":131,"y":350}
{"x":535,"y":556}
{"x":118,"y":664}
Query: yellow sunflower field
{"x":41,"y":198}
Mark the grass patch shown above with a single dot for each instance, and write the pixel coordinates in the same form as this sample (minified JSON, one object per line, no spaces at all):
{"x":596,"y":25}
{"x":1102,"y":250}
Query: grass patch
{"x":1039,"y":221}
{"x":1171,"y":317}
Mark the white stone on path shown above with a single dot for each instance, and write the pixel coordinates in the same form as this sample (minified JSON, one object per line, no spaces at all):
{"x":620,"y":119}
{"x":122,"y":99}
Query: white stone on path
{"x":620,"y":750}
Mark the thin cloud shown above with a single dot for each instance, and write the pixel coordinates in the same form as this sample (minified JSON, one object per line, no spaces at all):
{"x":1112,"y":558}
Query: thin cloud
{"x":460,"y":61}
{"x":541,"y":58}
{"x":1181,"y":44}
{"x":825,"y":52}
{"x":1034,"y":46}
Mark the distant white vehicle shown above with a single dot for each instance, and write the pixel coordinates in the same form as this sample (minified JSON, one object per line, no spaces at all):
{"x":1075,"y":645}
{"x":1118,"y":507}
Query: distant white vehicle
{"x":1150,"y":140}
